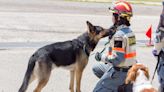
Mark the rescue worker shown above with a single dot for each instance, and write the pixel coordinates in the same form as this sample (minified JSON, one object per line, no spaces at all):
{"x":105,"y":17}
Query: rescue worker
{"x":100,"y":68}
{"x":159,"y":50}
{"x":121,"y":52}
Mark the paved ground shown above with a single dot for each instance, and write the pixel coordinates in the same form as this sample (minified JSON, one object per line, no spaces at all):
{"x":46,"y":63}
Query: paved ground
{"x":27,"y":25}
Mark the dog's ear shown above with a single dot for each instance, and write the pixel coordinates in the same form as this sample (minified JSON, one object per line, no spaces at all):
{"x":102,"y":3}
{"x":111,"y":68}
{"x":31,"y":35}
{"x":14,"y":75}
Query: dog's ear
{"x":146,"y":72}
{"x":131,"y":77}
{"x":90,"y":27}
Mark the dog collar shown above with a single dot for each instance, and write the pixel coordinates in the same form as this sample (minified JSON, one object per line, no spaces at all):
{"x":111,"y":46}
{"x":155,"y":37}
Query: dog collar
{"x":85,"y":50}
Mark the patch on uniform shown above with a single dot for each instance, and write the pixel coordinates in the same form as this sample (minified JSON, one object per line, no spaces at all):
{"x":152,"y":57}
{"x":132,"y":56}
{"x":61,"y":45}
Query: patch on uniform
{"x":132,"y":40}
{"x":118,"y":42}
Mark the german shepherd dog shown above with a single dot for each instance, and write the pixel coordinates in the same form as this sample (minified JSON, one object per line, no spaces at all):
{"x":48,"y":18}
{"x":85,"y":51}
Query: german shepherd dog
{"x":73,"y":54}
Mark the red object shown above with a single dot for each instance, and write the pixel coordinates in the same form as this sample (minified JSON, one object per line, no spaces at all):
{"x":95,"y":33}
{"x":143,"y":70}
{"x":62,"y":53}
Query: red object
{"x":122,"y":7}
{"x":149,"y":32}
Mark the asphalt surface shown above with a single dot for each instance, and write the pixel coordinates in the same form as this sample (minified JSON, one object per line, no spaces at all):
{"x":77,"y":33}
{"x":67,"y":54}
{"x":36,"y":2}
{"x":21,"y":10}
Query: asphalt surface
{"x":27,"y":25}
{"x":61,"y":6}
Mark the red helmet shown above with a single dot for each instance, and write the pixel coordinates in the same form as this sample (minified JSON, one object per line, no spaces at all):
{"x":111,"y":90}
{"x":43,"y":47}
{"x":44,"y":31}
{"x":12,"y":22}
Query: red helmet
{"x":123,"y":9}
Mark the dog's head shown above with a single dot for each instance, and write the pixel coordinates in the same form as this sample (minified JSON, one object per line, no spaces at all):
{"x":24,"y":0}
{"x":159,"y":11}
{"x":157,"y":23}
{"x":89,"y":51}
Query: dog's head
{"x":96,"y":32}
{"x":135,"y":71}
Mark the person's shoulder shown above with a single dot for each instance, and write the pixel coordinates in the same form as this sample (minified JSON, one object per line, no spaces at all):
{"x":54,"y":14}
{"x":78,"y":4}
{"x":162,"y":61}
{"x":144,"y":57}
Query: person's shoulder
{"x":119,"y":33}
{"x":126,"y":30}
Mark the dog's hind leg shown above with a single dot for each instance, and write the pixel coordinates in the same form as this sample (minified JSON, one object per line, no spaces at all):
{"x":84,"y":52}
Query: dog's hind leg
{"x":78,"y":79}
{"x":43,"y":71}
{"x":71,"y":86}
{"x":41,"y":84}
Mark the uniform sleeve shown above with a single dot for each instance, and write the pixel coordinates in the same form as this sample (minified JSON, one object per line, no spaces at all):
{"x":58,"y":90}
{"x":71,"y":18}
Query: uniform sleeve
{"x":118,"y":51}
{"x":159,"y":35}
{"x":161,"y":22}
{"x":160,"y":29}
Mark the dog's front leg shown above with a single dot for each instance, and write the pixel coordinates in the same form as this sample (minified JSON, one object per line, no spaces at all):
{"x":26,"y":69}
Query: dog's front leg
{"x":78,"y":79}
{"x":71,"y":86}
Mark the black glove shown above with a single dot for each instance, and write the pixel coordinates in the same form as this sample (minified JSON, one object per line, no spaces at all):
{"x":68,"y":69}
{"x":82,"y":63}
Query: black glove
{"x":154,"y":52}
{"x":112,"y":31}
{"x":98,"y":56}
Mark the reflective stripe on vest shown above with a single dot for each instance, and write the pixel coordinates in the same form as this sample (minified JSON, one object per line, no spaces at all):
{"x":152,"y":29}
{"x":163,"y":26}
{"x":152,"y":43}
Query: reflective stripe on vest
{"x":130,"y":55}
{"x":127,"y":55}
{"x":119,"y":49}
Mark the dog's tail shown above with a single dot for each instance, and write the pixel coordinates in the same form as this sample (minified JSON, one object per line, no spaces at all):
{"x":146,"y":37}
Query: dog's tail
{"x":28,"y":74}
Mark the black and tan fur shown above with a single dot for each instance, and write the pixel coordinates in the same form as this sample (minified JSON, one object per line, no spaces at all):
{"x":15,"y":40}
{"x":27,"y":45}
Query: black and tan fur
{"x":73,"y":54}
